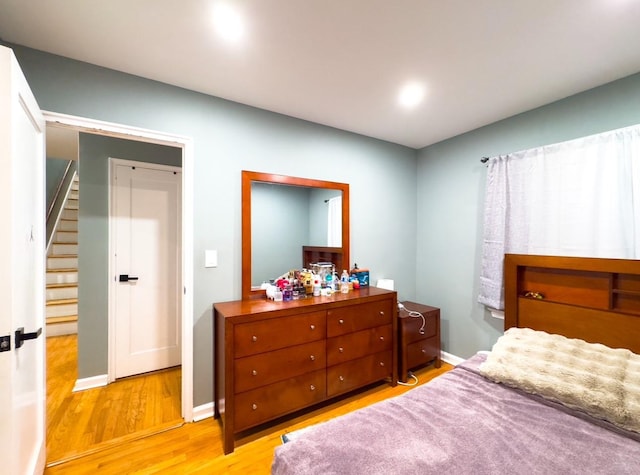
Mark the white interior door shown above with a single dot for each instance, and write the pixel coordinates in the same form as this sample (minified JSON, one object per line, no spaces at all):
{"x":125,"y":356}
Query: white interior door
{"x":146,"y":223}
{"x":22,"y":364}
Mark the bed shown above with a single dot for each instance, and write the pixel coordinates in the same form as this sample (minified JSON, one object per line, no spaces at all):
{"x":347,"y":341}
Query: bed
{"x":559,"y":392}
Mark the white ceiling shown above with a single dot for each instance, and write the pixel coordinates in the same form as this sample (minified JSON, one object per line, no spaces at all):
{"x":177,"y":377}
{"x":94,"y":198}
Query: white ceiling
{"x":342,"y":62}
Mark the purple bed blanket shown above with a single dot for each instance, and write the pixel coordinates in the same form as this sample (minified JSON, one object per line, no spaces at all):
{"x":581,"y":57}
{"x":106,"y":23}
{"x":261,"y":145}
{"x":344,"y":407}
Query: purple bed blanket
{"x":461,"y":423}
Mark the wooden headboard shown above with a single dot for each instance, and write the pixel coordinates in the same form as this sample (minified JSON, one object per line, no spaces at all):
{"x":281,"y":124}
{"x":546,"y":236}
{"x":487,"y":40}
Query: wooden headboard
{"x":596,"y":300}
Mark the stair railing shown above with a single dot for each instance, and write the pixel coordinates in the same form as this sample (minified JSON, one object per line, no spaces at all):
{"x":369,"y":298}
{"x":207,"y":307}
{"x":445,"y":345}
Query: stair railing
{"x":57,"y":204}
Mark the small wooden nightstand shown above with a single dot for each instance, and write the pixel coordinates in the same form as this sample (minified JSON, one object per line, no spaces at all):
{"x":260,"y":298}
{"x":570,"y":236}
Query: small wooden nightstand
{"x":418,"y":347}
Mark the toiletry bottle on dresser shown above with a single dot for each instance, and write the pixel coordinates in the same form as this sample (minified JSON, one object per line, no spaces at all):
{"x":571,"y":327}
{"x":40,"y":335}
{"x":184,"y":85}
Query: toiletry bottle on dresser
{"x":344,"y":282}
{"x":330,"y":283}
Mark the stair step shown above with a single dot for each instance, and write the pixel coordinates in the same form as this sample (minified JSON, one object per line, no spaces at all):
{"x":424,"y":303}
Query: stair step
{"x":67,"y":237}
{"x":58,"y":308}
{"x":62,"y":276}
{"x":69,"y":214}
{"x":73,"y":194}
{"x":65,"y":319}
{"x":62,"y":302}
{"x":68,"y":225}
{"x":62,"y":262}
{"x":62,"y":328}
{"x":62,"y":249}
{"x":72,"y":203}
{"x":61,"y":292}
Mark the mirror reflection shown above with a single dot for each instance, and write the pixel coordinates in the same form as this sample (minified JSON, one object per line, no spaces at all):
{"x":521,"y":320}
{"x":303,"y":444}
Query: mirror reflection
{"x":284,"y":218}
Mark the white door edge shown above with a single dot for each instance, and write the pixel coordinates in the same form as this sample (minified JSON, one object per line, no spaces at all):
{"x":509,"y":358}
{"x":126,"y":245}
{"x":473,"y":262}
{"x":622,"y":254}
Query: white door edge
{"x":134,"y":133}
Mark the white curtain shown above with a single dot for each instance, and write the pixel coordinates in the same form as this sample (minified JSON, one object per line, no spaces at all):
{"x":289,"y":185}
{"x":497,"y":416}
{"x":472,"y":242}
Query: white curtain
{"x":576,"y":198}
{"x":334,"y":222}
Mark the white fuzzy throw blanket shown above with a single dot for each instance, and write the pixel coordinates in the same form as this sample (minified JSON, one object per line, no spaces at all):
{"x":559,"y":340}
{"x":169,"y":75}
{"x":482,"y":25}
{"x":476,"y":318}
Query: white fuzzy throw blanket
{"x":593,"y":378}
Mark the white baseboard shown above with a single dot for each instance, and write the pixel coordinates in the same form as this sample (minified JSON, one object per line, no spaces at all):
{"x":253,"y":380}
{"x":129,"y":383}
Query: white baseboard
{"x":90,"y":383}
{"x":451,"y":359}
{"x":203,"y":412}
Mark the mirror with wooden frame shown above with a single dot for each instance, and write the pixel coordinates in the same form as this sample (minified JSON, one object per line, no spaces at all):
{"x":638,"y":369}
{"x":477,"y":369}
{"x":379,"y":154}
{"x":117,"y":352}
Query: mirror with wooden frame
{"x":284,"y":226}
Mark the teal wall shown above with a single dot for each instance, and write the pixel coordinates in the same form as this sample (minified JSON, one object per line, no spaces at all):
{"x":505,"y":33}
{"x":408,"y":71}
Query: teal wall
{"x":54,"y":173}
{"x":93,"y":238}
{"x":451,"y":185}
{"x":230,"y":137}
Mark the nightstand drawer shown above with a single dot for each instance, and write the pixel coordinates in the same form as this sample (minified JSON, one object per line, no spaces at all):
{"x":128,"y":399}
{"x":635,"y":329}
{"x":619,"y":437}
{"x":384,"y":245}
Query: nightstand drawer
{"x":410,"y":326}
{"x":422,"y":352}
{"x":266,"y":368}
{"x":358,"y":317}
{"x":355,"y":345}
{"x":273,"y":334}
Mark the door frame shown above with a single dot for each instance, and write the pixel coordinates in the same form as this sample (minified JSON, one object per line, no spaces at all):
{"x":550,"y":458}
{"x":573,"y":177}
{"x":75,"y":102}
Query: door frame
{"x":112,"y":314}
{"x":110,"y":129}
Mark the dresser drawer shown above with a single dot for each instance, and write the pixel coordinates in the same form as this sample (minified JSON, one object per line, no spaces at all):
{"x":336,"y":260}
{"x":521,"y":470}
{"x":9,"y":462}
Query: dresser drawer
{"x":355,"y":373}
{"x":358,"y":317}
{"x":410,"y":327}
{"x":268,"y":335}
{"x":266,"y":368}
{"x":422,"y":352}
{"x":355,"y":345}
{"x":265,"y":403}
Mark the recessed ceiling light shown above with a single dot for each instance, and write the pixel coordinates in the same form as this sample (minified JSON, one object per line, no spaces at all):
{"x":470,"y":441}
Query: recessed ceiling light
{"x":228,"y":22}
{"x":411,"y":94}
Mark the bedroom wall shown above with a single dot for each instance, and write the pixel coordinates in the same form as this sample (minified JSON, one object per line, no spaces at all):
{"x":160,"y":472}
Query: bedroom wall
{"x":451,"y":184}
{"x":229,"y":137}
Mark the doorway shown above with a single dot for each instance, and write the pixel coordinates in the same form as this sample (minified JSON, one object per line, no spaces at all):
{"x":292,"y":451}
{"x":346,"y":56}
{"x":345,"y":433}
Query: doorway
{"x":186,"y":298}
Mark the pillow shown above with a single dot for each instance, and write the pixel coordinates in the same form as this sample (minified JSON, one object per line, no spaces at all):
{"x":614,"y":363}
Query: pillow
{"x":600,"y":381}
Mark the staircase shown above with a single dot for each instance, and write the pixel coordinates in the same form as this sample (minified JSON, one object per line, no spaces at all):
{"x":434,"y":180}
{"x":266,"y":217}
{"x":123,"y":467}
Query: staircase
{"x":62,"y":270}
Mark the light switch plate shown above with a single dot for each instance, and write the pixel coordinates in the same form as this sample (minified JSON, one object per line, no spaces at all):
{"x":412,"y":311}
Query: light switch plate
{"x":211,"y":258}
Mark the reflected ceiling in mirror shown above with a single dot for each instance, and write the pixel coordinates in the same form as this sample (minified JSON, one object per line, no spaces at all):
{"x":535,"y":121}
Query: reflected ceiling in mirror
{"x":280,"y":215}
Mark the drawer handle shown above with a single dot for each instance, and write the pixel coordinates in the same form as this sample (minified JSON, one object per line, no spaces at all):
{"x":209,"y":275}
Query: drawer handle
{"x":312,"y":387}
{"x":341,"y":350}
{"x":381,"y":338}
{"x":341,"y":321}
{"x":313,"y":327}
{"x":382,"y":363}
{"x":254,"y":406}
{"x":254,"y":338}
{"x":341,"y":378}
{"x":423,"y":350}
{"x":313,"y":358}
{"x":381,"y":312}
{"x":254,"y":373}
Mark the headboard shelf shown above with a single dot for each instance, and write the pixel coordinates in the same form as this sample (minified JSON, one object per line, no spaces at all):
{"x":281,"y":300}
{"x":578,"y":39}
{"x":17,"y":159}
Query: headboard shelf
{"x":596,"y":300}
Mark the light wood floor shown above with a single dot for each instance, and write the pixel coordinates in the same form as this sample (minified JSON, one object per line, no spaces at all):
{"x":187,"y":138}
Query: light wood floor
{"x":196,"y":448}
{"x":90,"y":420}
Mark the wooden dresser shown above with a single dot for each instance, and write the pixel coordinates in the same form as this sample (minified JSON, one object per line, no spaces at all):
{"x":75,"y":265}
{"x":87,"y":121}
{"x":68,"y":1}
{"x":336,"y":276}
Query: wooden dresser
{"x":419,"y":340}
{"x":274,"y":358}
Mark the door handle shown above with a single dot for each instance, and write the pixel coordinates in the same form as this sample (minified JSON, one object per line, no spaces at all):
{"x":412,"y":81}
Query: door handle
{"x":21,"y":336}
{"x":126,"y":278}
